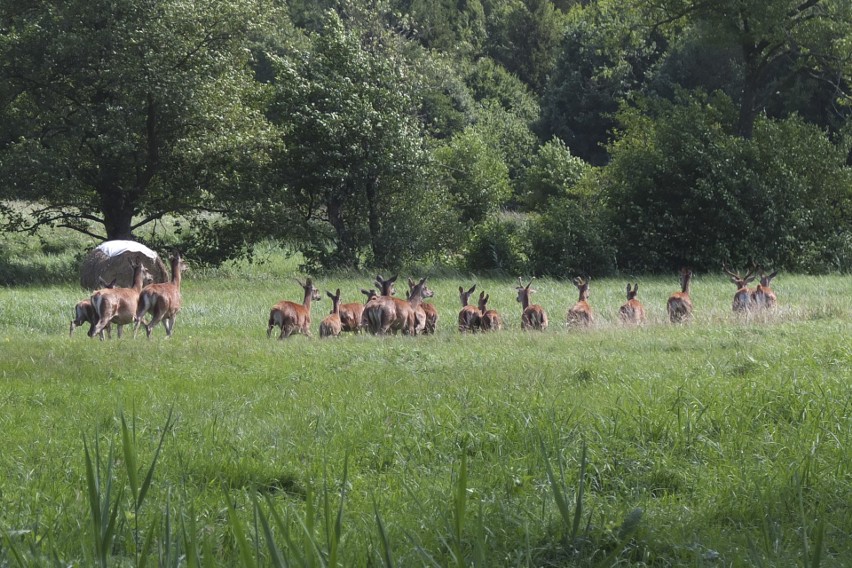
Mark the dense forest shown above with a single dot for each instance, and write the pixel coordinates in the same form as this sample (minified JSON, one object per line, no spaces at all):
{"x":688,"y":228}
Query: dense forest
{"x":554,"y":137}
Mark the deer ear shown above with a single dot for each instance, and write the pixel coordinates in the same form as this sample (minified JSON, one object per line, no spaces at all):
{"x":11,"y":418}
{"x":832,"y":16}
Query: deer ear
{"x":472,"y":289}
{"x":487,"y":298}
{"x":482,"y":294}
{"x":392,"y":278}
{"x":773,"y":275}
{"x":635,"y":287}
{"x":461,"y":290}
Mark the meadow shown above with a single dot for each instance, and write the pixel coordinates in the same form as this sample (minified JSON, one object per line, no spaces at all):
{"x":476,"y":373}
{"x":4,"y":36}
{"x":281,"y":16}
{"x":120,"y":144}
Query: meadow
{"x":724,"y":442}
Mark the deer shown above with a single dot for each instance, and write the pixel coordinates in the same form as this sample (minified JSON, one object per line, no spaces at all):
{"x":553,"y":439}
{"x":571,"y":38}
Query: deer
{"x":763,"y":297}
{"x":490,"y":319}
{"x":85,"y":312}
{"x":533,"y":316}
{"x":118,"y":305}
{"x":292,"y":317}
{"x":679,"y":304}
{"x":350,"y":314}
{"x":386,"y":313}
{"x":331,"y":325}
{"x":373,"y":311}
{"x":469,"y":316}
{"x":632,"y":311}
{"x":580,"y":314}
{"x":162,"y":300}
{"x":429,"y":312}
{"x":743,"y":297}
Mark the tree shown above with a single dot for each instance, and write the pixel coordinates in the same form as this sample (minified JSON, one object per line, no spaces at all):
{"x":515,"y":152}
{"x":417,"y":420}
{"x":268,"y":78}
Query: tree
{"x":776,"y":42}
{"x":355,"y":171}
{"x":120,"y":112}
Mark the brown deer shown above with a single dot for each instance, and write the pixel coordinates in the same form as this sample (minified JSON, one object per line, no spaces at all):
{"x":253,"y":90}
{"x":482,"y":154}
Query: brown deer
{"x":580,"y":314}
{"x":85,"y":312}
{"x":373,"y":314}
{"x":429,"y":312}
{"x":385,"y":313}
{"x":469,"y":316}
{"x":118,"y":305}
{"x":743,"y":296}
{"x":632,"y":311}
{"x":533,"y":316}
{"x":763,"y":297}
{"x":679,"y":305}
{"x":162,"y":301}
{"x":490,"y":319}
{"x":292,"y":317}
{"x":350,"y":314}
{"x":331,"y":325}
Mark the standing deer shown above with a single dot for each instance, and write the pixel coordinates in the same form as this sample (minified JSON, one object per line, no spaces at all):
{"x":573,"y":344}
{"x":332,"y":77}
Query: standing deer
{"x":162,"y":301}
{"x":385,"y":313}
{"x":743,"y":296}
{"x":632,"y":311}
{"x":580,"y":314}
{"x":84,"y":312}
{"x":469,"y":316}
{"x":533,"y":316}
{"x":118,"y":305}
{"x":679,"y":305}
{"x":429,"y":312}
{"x":331,"y":325}
{"x":763,"y":297}
{"x":350,"y":314}
{"x":490,"y":319}
{"x":292,"y":317}
{"x":374,"y":312}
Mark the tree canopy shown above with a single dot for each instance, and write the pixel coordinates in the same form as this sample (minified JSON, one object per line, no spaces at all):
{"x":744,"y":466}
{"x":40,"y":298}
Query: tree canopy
{"x":522,"y":135}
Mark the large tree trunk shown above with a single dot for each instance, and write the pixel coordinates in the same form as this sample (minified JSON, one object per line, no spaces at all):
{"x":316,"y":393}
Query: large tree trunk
{"x":345,"y":256}
{"x":378,"y":246}
{"x":118,"y":214}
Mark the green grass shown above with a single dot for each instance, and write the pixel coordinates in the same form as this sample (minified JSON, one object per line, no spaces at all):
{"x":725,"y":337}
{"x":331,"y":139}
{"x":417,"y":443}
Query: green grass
{"x":721,"y":442}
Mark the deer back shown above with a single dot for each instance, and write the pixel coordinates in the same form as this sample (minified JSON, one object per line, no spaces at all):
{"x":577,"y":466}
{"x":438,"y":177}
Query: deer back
{"x":632,"y":311}
{"x":679,"y":305}
{"x":581,"y":312}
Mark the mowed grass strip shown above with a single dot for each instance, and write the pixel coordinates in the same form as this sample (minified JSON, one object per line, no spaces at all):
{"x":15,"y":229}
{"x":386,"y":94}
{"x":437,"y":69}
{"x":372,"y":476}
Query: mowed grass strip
{"x":729,"y":435}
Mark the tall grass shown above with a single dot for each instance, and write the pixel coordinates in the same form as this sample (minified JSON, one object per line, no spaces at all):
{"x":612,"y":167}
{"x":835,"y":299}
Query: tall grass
{"x":725,"y":441}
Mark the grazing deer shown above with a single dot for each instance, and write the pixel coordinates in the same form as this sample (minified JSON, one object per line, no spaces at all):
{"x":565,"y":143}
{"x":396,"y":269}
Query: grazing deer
{"x":469,"y":316}
{"x":350,"y":314}
{"x":632,"y":311}
{"x":580,"y":314}
{"x":743,"y":296}
{"x":763,"y":297}
{"x":679,"y":305}
{"x":533,"y":316}
{"x":84,"y":312}
{"x":118,"y":305}
{"x":429,"y":312}
{"x":331,"y":325}
{"x":490,"y":319}
{"x":161,"y":300}
{"x":292,"y":317}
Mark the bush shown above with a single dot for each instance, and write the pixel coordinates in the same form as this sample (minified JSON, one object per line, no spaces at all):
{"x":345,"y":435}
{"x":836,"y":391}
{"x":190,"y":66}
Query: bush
{"x":500,"y":244}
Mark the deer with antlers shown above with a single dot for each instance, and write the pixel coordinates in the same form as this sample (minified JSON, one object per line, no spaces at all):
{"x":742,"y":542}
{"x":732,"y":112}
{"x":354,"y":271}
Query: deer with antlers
{"x":490,"y":319}
{"x":118,"y":305}
{"x":580,"y":314}
{"x":162,"y":301}
{"x":533,"y":315}
{"x":679,"y":305}
{"x":469,"y":316}
{"x":331,"y":325}
{"x":292,"y":317}
{"x":763,"y":297}
{"x":85,"y":312}
{"x":632,"y":311}
{"x":743,"y":296}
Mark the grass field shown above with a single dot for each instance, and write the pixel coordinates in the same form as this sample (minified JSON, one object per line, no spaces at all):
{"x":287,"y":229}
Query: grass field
{"x":724,"y":442}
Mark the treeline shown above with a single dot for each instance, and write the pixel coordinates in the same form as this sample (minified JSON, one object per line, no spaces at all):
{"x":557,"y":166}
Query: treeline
{"x":551,"y":137}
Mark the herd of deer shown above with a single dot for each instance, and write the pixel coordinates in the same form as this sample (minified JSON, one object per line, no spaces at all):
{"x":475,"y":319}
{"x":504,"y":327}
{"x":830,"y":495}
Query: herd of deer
{"x":382,"y":313}
{"x":121,"y":306}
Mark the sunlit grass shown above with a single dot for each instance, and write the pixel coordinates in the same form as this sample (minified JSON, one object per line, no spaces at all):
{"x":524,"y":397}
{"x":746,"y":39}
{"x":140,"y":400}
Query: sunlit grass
{"x":725,"y":440}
